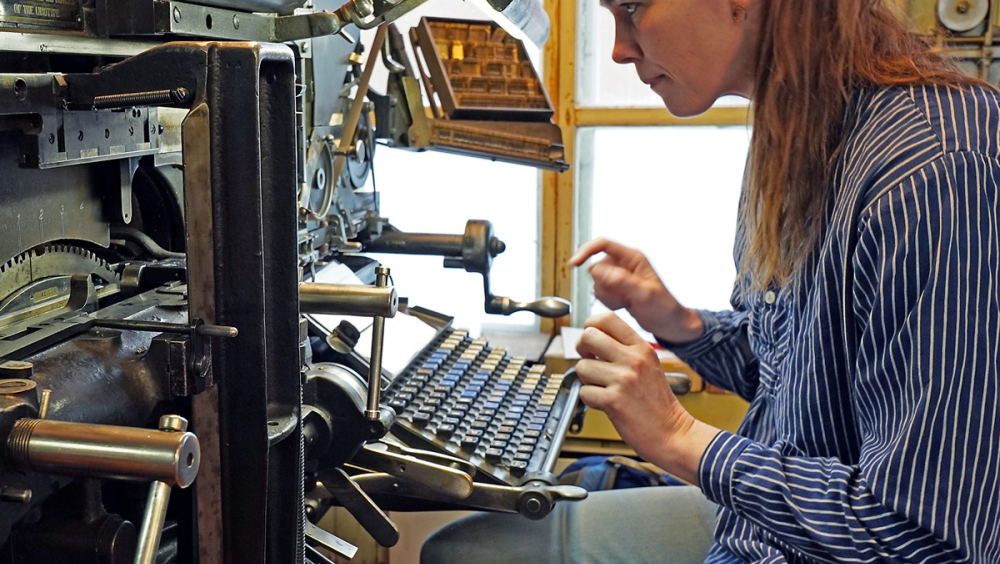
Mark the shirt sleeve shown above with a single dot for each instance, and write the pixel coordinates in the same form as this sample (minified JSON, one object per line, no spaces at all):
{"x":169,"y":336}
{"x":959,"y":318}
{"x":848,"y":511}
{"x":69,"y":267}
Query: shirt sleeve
{"x":722,"y":355}
{"x":926,"y":486}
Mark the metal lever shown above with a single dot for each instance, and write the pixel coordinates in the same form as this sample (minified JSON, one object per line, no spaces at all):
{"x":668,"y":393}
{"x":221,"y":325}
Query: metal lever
{"x":333,"y":543}
{"x":340,"y":486}
{"x":533,"y":500}
{"x":372,"y":413}
{"x":156,"y":504}
{"x":544,"y":307}
{"x":377,"y":457}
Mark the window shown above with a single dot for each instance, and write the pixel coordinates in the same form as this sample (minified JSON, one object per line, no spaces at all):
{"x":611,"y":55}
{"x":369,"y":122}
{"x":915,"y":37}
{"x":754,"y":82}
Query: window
{"x":671,"y":192}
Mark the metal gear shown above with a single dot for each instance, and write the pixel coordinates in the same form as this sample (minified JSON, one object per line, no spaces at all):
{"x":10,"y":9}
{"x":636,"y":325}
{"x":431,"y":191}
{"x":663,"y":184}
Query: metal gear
{"x":51,"y":260}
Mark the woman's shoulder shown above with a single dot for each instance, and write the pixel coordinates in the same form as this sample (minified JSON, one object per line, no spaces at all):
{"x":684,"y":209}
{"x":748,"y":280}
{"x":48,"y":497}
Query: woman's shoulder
{"x":954,"y":117}
{"x":895,"y":132}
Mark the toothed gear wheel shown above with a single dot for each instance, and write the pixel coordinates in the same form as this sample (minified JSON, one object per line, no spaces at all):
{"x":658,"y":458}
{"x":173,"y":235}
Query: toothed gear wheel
{"x":52,"y":260}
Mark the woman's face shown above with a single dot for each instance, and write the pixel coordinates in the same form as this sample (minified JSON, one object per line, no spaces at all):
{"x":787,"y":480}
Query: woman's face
{"x":690,"y":52}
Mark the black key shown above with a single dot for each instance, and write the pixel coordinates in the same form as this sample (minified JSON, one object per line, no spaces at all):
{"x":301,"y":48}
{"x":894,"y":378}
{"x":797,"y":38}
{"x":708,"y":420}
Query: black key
{"x":522,"y":456}
{"x":452,"y":420}
{"x":502,"y":437}
{"x":529,"y":441}
{"x":409,"y":389}
{"x":474,"y":433}
{"x":505,"y":429}
{"x":432,"y":402}
{"x":479,"y":424}
{"x":533,"y":434}
{"x":494,"y":454}
{"x":498,"y":444}
{"x":439,"y":395}
{"x":398,"y":406}
{"x":518,"y":467}
{"x":446,"y":429}
{"x":470,"y":441}
{"x":526,"y":448}
{"x":422,"y":417}
{"x":404,"y":396}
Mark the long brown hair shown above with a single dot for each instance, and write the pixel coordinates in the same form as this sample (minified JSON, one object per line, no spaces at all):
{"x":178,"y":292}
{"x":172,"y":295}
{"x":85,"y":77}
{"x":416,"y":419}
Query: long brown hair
{"x":812,"y":55}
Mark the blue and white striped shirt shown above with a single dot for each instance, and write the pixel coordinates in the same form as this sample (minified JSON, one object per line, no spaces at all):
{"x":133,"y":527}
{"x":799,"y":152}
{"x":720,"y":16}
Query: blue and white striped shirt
{"x":873,"y":432}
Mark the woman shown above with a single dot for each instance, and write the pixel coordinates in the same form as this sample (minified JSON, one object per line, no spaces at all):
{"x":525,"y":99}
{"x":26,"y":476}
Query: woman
{"x":864,"y":328}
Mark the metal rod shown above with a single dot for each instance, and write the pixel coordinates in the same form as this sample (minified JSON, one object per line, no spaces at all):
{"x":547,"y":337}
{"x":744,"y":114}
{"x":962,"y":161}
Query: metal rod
{"x":417,"y":244}
{"x":346,"y":299}
{"x":375,"y":371}
{"x":43,"y":409}
{"x":353,"y":117}
{"x":152,"y":523}
{"x":103,"y":451}
{"x":220,"y":331}
{"x":156,"y":503}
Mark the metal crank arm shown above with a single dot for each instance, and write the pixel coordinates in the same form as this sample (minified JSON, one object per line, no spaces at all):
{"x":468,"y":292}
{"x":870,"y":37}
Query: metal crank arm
{"x":410,"y":465}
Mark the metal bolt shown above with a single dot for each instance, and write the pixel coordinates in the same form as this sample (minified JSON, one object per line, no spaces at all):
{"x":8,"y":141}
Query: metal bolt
{"x":151,"y":129}
{"x":304,"y":47}
{"x":15,"y":495}
{"x":177,"y":14}
{"x":80,"y":137}
{"x":963,"y":7}
{"x":236,"y":21}
{"x":52,"y":138}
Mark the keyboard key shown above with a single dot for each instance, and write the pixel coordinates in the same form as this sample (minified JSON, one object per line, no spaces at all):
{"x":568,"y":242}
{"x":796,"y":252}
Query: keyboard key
{"x":509,"y":423}
{"x":474,"y":433}
{"x":446,"y":429}
{"x":399,"y":406}
{"x":522,"y":456}
{"x":498,"y":444}
{"x":470,"y":441}
{"x":494,"y":454}
{"x":491,"y":405}
{"x":532,"y":434}
{"x":452,"y":420}
{"x":534,"y":420}
{"x":526,"y":448}
{"x":422,"y":417}
{"x":480,"y":424}
{"x":535,"y":428}
{"x":505,"y":429}
{"x":518,"y":467}
{"x":501,"y":437}
{"x":529,"y":441}
{"x":433,"y":402}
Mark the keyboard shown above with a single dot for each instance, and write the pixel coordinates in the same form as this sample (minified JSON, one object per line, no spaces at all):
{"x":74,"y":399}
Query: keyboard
{"x":502,"y":413}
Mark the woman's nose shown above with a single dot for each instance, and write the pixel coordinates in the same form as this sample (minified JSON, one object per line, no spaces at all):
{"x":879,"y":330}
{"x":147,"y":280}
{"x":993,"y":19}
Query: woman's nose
{"x":625,"y":51}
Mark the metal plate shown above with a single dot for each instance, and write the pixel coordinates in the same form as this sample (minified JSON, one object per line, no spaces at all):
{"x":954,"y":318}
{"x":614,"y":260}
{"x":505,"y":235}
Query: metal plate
{"x":962,"y":15}
{"x":48,"y":13}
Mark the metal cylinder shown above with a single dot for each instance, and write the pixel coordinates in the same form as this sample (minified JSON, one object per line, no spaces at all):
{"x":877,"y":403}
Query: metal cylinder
{"x":417,"y":244}
{"x":337,"y":299}
{"x":103,"y":451}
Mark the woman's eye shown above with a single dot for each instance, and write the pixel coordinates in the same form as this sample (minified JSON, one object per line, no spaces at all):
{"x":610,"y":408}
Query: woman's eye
{"x":630,"y":8}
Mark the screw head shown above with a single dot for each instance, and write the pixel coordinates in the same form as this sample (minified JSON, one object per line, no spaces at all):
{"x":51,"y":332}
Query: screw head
{"x":174,"y":423}
{"x":236,"y":21}
{"x":177,"y":14}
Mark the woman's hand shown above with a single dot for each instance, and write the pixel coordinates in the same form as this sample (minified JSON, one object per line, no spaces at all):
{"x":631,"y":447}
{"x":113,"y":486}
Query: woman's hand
{"x":625,"y":279}
{"x":622,"y":377}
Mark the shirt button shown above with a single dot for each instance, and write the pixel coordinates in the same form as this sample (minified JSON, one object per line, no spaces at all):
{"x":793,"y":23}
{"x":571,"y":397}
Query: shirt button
{"x":769,"y":297}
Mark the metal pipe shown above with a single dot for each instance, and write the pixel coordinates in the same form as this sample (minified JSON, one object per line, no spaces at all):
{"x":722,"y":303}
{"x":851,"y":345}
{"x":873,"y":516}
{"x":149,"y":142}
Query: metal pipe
{"x":375,"y":362}
{"x":345,"y":299}
{"x":103,"y":451}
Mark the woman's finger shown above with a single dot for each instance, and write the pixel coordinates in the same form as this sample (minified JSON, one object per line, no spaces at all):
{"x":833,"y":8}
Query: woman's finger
{"x":595,"y":343}
{"x":600,"y":245}
{"x":614,"y":327}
